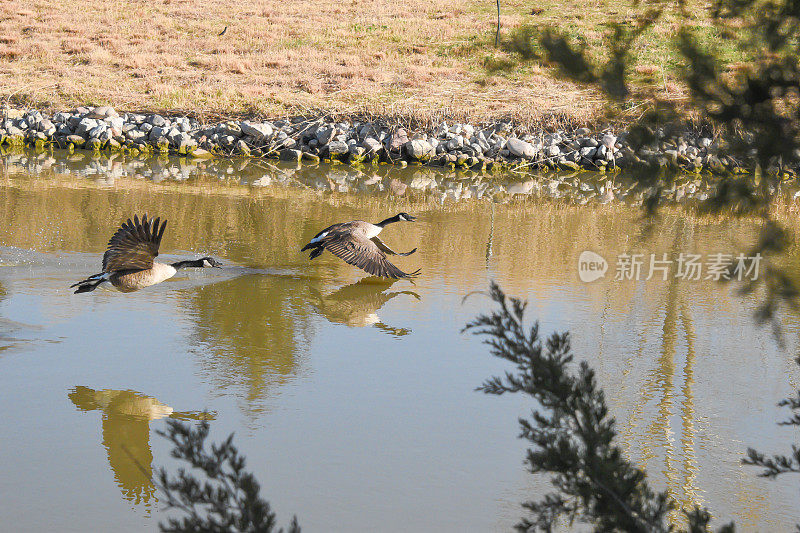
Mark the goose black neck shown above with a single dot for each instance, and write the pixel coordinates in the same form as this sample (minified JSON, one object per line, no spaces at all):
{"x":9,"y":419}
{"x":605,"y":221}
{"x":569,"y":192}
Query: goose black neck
{"x":197,"y":263}
{"x":389,"y":220}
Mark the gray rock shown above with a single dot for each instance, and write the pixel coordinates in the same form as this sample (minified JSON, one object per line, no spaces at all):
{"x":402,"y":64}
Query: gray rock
{"x":552,"y":150}
{"x":326,"y":134}
{"x":609,"y":140}
{"x":372,"y":145}
{"x":520,"y":148}
{"x":76,"y":139}
{"x":456,"y":143}
{"x":157,"y":120}
{"x":242,"y":148}
{"x":156,"y":132}
{"x":97,"y":131}
{"x":61,"y":117}
{"x":102,"y":112}
{"x":337,"y":149}
{"x":288,"y":142}
{"x":589,"y":141}
{"x":419,"y":150}
{"x":84,"y":126}
{"x":135,"y":134}
{"x":553,"y":139}
{"x":258,"y":132}
{"x":397,"y":140}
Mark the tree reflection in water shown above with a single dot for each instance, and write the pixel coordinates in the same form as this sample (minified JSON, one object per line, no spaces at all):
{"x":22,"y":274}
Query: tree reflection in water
{"x":126,"y":417}
{"x":250,"y":333}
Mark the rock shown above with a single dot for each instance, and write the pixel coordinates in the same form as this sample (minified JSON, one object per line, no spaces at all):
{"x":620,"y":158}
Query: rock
{"x":337,"y":150}
{"x":157,"y":132}
{"x":157,"y":120}
{"x":257,"y":131}
{"x":609,"y":140}
{"x":135,"y":135}
{"x":201,"y":153}
{"x":326,"y":135}
{"x":419,"y":150}
{"x":102,"y":112}
{"x":97,"y":131}
{"x":242,"y":148}
{"x":372,"y":145}
{"x":356,"y":153}
{"x":290,"y":154}
{"x":93,"y":144}
{"x":311,"y":158}
{"x":456,"y":143}
{"x":84,"y":126}
{"x":397,"y":140}
{"x":520,"y":148}
{"x":77,"y":140}
{"x":552,"y":151}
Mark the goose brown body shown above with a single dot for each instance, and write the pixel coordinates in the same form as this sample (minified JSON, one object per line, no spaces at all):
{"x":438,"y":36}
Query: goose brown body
{"x":133,"y":281}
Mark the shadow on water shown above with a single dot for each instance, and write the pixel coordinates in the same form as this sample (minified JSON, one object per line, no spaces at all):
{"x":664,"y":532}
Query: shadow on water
{"x":126,"y":417}
{"x":357,"y":304}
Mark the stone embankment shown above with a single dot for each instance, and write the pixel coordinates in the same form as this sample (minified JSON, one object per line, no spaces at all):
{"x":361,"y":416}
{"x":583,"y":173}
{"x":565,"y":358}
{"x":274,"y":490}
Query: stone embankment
{"x":496,"y":146}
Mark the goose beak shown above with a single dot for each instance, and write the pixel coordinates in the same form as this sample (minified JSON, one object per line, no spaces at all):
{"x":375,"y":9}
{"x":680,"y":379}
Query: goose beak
{"x":411,"y":218}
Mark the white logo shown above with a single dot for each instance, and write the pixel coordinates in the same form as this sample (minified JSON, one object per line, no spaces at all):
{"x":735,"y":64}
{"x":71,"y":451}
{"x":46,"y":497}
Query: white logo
{"x":591,"y":266}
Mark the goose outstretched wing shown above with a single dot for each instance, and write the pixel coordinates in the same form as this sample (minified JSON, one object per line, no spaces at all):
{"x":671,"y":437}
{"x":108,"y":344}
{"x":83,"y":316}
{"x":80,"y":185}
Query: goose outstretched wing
{"x":134,"y":245}
{"x":364,"y":254}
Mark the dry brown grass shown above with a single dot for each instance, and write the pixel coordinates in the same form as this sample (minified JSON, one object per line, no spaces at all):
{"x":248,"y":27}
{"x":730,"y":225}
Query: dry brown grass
{"x":414,"y":58}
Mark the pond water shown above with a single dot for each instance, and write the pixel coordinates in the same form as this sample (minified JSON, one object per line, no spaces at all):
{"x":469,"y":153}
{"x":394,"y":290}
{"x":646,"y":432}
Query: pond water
{"x":353,"y":398}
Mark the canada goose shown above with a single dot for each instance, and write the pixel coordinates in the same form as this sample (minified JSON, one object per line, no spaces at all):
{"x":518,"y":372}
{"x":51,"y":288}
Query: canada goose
{"x":357,"y":243}
{"x":128,"y":261}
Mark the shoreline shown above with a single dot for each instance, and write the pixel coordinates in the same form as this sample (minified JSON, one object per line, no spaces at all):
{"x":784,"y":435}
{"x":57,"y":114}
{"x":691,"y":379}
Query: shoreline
{"x":483,"y":147}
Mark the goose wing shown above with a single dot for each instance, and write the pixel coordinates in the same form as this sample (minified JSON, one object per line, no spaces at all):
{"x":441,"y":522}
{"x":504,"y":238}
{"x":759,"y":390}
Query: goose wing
{"x":364,"y":254}
{"x":134,"y":245}
{"x":385,"y":249}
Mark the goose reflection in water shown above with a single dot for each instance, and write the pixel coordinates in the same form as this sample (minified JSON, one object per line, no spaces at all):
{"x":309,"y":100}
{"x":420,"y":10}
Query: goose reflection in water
{"x":356,"y":305}
{"x":126,"y":434}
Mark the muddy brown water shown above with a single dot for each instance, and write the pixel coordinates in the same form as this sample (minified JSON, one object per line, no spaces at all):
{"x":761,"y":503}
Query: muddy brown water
{"x":353,"y":398}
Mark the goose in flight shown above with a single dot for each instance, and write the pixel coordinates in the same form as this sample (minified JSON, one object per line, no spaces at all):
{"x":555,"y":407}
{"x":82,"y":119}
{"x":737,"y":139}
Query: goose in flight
{"x":128,"y":262}
{"x":357,"y":243}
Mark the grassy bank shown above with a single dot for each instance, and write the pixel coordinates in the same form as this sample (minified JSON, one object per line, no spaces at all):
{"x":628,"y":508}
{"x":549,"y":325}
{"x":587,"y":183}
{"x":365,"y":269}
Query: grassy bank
{"x":421,"y":59}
